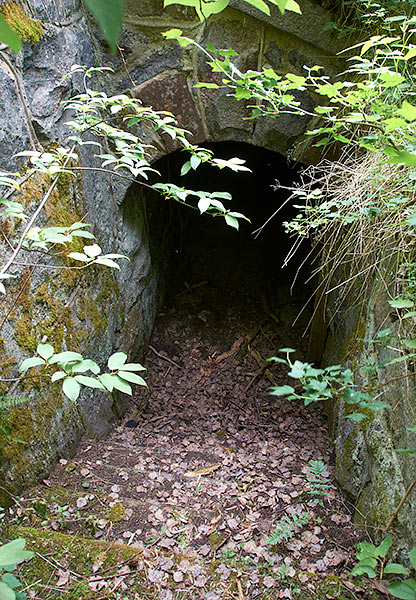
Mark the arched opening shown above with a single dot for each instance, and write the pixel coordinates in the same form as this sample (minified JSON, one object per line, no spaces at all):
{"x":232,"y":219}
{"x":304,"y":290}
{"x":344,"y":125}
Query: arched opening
{"x":224,"y":292}
{"x":215,"y":442}
{"x":244,"y":264}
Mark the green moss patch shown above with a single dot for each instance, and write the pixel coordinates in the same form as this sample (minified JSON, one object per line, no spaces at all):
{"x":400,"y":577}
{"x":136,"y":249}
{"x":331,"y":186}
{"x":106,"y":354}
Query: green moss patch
{"x":21,"y":22}
{"x":79,"y":568}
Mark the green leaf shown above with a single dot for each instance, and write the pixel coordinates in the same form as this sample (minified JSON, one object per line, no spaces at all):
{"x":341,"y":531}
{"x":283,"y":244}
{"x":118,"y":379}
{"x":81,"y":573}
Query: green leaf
{"x":133,"y":367}
{"x":71,"y":388}
{"x":173,"y":34}
{"x":132,"y":377}
{"x":6,"y":592}
{"x":34,"y":361}
{"x":86,"y":365}
{"x":401,"y":303}
{"x":282,"y":390}
{"x":391,"y":79}
{"x":92,"y":251}
{"x":400,"y":157}
{"x":400,"y":589}
{"x":65,"y":357}
{"x":185,"y":168}
{"x":176,"y":34}
{"x":58,"y":375}
{"x":290,"y":5}
{"x":297,"y":371}
{"x":364,"y":570}
{"x":109,"y":16}
{"x":356,"y":417}
{"x":107,"y":380}
{"x":195,"y":161}
{"x":410,"y":54}
{"x":394,"y":123}
{"x":117,"y":360}
{"x":287,"y":350}
{"x":11,"y":580}
{"x":107,"y":262}
{"x":412,"y":557}
{"x":204,"y":204}
{"x":14,"y":552}
{"x":384,"y":546}
{"x":79,"y":256}
{"x":89,"y":382}
{"x":212,"y":7}
{"x":212,"y":86}
{"x":408,"y":111}
{"x":396,"y":569}
{"x":232,"y":221}
{"x":8,"y":36}
{"x":45,"y":350}
{"x":121,"y":385}
{"x":409,"y":344}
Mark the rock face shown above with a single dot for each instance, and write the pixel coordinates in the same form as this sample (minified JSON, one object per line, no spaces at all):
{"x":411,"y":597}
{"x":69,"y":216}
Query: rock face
{"x":369,"y":469}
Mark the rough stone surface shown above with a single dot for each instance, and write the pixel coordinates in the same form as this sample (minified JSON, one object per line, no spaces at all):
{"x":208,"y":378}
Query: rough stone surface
{"x":368,"y":468}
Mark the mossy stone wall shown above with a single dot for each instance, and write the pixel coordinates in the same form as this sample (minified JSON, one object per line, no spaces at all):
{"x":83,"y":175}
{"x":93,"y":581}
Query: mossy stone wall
{"x":374,"y":476}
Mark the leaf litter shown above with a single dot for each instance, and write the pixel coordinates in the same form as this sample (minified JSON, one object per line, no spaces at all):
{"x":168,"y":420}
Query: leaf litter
{"x":212,"y":463}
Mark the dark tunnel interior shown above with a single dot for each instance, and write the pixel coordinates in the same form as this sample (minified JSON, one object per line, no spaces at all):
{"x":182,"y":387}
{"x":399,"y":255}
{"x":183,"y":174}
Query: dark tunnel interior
{"x":240,"y":264}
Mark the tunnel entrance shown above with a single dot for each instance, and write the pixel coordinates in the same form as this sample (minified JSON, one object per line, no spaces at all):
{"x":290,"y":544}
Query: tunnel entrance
{"x":242,"y":266}
{"x":218,"y":460}
{"x":210,"y":466}
{"x":228,"y":301}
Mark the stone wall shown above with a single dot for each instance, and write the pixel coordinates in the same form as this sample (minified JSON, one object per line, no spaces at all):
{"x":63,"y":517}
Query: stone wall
{"x":373,"y":475}
{"x":99,"y":312}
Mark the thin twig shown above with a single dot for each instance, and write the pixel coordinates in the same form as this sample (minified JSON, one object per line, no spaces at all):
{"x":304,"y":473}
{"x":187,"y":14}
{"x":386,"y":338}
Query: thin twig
{"x":402,"y":501}
{"x":56,"y":565}
{"x":35,"y":215}
{"x":165,"y":357}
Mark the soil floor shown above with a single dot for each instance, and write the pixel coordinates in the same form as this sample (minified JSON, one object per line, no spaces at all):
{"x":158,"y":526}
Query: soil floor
{"x":194,"y":487}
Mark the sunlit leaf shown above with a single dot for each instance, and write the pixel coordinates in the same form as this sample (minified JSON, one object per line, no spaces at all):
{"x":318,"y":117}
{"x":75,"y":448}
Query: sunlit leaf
{"x":45,"y":350}
{"x":8,"y":36}
{"x":132,"y":377}
{"x":14,"y":552}
{"x":71,"y":388}
{"x":89,"y":382}
{"x":34,"y":361}
{"x":117,"y":360}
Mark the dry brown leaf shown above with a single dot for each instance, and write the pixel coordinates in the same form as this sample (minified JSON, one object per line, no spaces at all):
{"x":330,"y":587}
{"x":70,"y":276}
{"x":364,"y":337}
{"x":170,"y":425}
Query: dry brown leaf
{"x":234,"y":349}
{"x":380,"y":586}
{"x":204,"y":471}
{"x":63,"y":578}
{"x":97,"y":584}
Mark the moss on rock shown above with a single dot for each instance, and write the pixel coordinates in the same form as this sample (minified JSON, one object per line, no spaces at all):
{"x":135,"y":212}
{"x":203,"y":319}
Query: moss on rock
{"x":28,"y":28}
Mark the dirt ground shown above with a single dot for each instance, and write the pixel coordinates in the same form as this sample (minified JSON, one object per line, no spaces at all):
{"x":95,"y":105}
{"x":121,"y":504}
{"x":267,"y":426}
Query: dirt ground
{"x":197,"y":482}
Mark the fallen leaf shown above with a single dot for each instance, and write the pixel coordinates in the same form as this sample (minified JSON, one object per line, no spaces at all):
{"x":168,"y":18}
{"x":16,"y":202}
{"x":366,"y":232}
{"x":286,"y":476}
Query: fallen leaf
{"x":204,"y":471}
{"x":63,"y":578}
{"x":81,"y":502}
